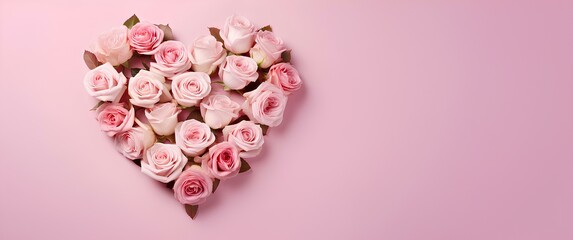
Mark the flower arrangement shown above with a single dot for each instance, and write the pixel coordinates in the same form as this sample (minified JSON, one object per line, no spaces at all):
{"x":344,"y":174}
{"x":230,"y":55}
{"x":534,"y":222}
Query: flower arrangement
{"x":190,"y":115}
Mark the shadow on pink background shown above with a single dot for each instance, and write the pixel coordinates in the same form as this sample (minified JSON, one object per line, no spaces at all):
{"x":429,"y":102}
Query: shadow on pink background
{"x":418,"y":120}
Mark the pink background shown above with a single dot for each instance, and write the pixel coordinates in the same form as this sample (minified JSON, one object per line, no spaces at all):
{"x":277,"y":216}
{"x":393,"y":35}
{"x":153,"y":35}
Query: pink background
{"x":418,"y":120}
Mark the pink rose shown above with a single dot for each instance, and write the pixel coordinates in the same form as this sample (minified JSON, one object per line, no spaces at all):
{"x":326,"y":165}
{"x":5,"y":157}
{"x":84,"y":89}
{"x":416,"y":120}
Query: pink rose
{"x":238,"y":71}
{"x":105,"y":83}
{"x":268,"y":49}
{"x":113,"y":118}
{"x":147,"y":88}
{"x":285,"y":76}
{"x":247,"y":136}
{"x":265,"y":105}
{"x":206,"y":54}
{"x":170,"y":59}
{"x":190,"y":88}
{"x":193,"y":137}
{"x":145,"y":37}
{"x":163,"y":117}
{"x":219,"y":110}
{"x":238,"y":34}
{"x":113,"y":46}
{"x":223,"y":161}
{"x":163,"y":162}
{"x":133,"y":142}
{"x":193,"y":186}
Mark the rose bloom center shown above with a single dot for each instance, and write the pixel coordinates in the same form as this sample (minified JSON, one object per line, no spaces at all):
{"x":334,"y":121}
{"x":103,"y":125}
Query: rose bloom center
{"x":171,"y":55}
{"x":193,"y":188}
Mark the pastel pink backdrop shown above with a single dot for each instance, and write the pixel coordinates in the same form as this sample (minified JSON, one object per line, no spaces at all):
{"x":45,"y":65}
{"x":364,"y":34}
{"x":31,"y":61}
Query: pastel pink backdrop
{"x":418,"y":120}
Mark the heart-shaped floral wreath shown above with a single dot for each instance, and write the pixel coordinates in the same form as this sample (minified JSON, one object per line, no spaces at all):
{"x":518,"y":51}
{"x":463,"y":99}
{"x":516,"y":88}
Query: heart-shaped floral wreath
{"x":190,"y":115}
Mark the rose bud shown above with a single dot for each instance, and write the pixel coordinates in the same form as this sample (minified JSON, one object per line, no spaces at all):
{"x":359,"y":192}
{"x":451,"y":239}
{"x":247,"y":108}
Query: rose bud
{"x":238,"y":34}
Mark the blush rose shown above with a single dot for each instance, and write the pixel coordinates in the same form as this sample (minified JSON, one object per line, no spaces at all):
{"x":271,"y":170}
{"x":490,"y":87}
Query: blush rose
{"x":265,"y":105}
{"x":114,"y":118}
{"x":147,"y":88}
{"x":247,"y":136}
{"x":284,"y":76}
{"x":163,"y":117}
{"x":268,"y":49}
{"x":171,"y":58}
{"x":190,"y":88}
{"x":105,"y":83}
{"x":193,"y":186}
{"x":134,"y":142}
{"x":206,"y":54}
{"x":238,"y":71}
{"x":193,"y":137}
{"x":219,"y":110}
{"x":163,"y":162}
{"x":145,"y":37}
{"x":223,"y":161}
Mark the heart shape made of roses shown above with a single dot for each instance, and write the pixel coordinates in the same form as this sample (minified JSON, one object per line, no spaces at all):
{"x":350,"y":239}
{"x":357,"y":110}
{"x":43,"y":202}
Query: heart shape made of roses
{"x":190,"y":115}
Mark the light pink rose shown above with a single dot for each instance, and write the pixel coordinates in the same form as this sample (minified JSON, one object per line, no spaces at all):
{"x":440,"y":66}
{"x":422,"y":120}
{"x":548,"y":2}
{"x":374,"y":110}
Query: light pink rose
{"x":268,"y":49}
{"x":132,"y":143}
{"x":190,"y":88}
{"x":265,"y":105}
{"x":193,"y":186}
{"x":163,"y":162}
{"x":113,"y":46}
{"x":113,"y":118}
{"x":247,"y":136}
{"x":171,"y":58}
{"x":238,"y":34}
{"x":105,"y":83}
{"x":147,"y":88}
{"x":285,"y":76}
{"x":193,"y":137}
{"x":219,"y":110}
{"x":223,"y":161}
{"x":163,"y":117}
{"x":145,"y":37}
{"x":238,"y":71}
{"x":206,"y":54}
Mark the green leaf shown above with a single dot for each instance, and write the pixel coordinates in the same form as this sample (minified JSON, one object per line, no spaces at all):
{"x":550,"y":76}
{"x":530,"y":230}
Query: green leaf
{"x":145,"y":65}
{"x":195,"y":114}
{"x":262,"y":76}
{"x":165,"y":139}
{"x":137,"y":162}
{"x":91,"y":60}
{"x":215,"y":32}
{"x":265,"y":129}
{"x":240,"y":119}
{"x":286,"y":56}
{"x":191,"y":210}
{"x":134,"y":71}
{"x":244,"y":166}
{"x":119,"y":68}
{"x":97,"y":105}
{"x":216,"y":184}
{"x":131,"y":21}
{"x":167,"y":32}
{"x":125,"y":64}
{"x":266,"y":28}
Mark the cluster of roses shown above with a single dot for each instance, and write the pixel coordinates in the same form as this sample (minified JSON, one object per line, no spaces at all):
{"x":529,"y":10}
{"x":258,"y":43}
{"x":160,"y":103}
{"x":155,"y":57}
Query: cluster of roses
{"x":190,"y":115}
